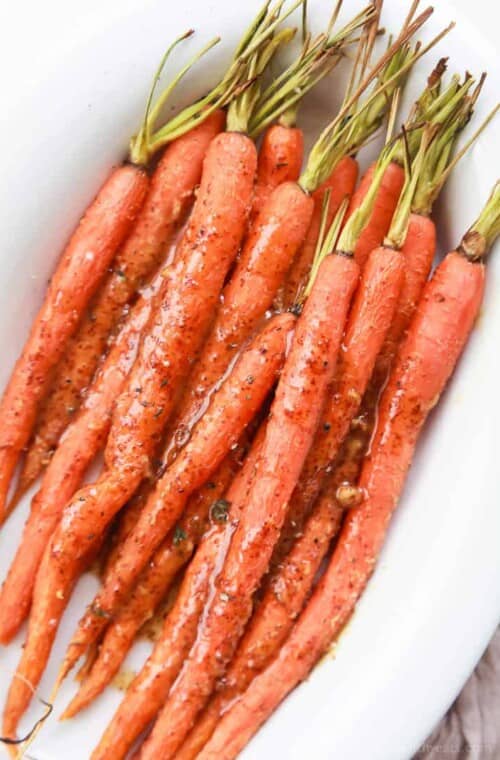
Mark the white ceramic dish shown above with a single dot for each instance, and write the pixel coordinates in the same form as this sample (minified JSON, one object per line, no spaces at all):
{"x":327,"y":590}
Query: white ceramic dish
{"x":435,"y":598}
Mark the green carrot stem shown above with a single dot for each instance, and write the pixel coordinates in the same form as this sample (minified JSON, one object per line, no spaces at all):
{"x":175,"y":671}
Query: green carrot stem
{"x":478,"y":240}
{"x":327,"y":240}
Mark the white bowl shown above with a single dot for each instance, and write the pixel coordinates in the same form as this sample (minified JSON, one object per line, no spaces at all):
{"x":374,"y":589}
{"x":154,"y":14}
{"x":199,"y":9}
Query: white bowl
{"x":435,"y":598}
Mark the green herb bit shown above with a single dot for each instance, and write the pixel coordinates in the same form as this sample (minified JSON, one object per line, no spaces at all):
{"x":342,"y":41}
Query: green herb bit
{"x":180,"y":535}
{"x":478,"y":240}
{"x":219,"y":511}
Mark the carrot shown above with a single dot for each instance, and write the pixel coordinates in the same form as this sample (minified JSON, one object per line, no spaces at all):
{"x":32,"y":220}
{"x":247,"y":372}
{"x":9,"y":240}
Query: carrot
{"x":102,"y":229}
{"x":210,"y":242}
{"x":274,"y":617}
{"x":350,"y":134}
{"x":84,"y":260}
{"x":280,"y":160}
{"x":437,"y":336}
{"x":281,"y":152}
{"x":166,"y":203}
{"x":340,"y":184}
{"x":149,"y":689}
{"x":154,"y":583}
{"x":231,"y":409}
{"x":79,"y":445}
{"x":292,"y":422}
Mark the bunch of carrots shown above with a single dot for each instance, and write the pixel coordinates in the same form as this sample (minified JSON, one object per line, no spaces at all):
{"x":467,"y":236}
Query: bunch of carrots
{"x":254,"y":347}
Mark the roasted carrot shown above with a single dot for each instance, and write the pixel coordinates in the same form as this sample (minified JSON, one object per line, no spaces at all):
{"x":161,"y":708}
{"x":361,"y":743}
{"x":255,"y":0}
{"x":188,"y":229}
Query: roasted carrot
{"x":155,"y":581}
{"x":281,"y":152}
{"x":78,"y":447}
{"x":230,"y":410}
{"x":272,"y":620}
{"x":102,"y":229}
{"x":292,"y":422}
{"x":166,"y":203}
{"x":437,"y":336}
{"x":85,"y":259}
{"x":150,"y":688}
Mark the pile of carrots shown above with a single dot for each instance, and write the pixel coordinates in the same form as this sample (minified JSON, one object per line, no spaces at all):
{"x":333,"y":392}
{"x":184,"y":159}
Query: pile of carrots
{"x":254,"y":347}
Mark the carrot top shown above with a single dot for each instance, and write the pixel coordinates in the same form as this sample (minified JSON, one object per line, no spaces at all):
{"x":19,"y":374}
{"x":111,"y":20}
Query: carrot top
{"x":479,"y":238}
{"x":256,"y":49}
{"x":149,"y":140}
{"x":318,"y":56}
{"x":355,"y":122}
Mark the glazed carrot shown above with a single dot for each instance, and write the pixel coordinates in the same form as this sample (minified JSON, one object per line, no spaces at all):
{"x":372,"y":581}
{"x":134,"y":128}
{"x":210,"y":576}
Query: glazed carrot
{"x":280,"y":160}
{"x":232,"y":407}
{"x":273,"y":618}
{"x":292,"y":422}
{"x":154,"y":582}
{"x":281,"y":152}
{"x":150,"y":688}
{"x":84,"y":261}
{"x":79,"y":445}
{"x":340,"y":184}
{"x":175,"y":332}
{"x":166,"y":203}
{"x":437,"y":335}
{"x":101,"y":231}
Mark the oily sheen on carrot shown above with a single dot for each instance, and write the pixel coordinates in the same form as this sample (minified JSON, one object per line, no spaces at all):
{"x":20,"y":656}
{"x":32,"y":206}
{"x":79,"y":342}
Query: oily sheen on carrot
{"x":173,"y":337}
{"x":292,"y":423}
{"x":436,"y":338}
{"x":384,"y":206}
{"x":341,"y":184}
{"x":79,"y":445}
{"x":264,"y":260}
{"x":231,"y":409}
{"x":84,"y":261}
{"x":152,"y":585}
{"x":280,"y":160}
{"x":370,"y":319}
{"x":273,"y":618}
{"x":150,"y":688}
{"x":170,"y":193}
{"x":290,"y":583}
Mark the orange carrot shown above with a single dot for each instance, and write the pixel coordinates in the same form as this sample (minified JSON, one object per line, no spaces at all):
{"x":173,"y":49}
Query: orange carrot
{"x":154,"y":583}
{"x":280,"y":160}
{"x":84,"y":261}
{"x":266,"y":255}
{"x":150,"y":688}
{"x":340,"y":184}
{"x":282,"y":602}
{"x":79,"y":445}
{"x":437,"y":335}
{"x":230,"y":410}
{"x":176,"y":330}
{"x":292,"y":422}
{"x":383,"y":209}
{"x":166,"y":203}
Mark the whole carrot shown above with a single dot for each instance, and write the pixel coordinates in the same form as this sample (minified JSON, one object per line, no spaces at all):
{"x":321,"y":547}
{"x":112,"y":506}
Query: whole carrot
{"x":102,"y":229}
{"x":169,"y":196}
{"x":149,"y":689}
{"x":438,"y":333}
{"x":155,"y":581}
{"x":231,"y":409}
{"x":78,"y":447}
